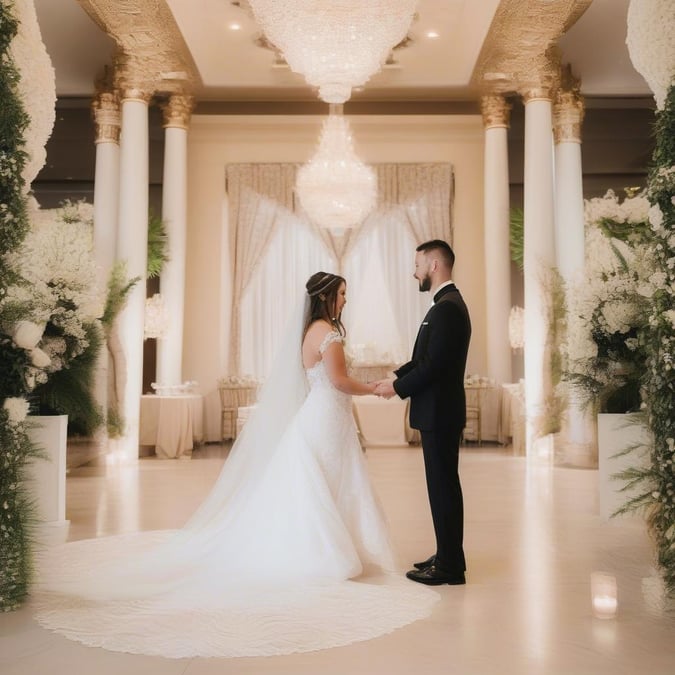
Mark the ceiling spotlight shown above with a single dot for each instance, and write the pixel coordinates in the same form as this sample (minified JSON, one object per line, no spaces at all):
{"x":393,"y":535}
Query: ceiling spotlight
{"x":235,"y":26}
{"x":432,"y":34}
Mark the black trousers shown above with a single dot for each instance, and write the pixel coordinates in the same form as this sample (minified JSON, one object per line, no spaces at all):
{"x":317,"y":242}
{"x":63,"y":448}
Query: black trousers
{"x":441,"y":463}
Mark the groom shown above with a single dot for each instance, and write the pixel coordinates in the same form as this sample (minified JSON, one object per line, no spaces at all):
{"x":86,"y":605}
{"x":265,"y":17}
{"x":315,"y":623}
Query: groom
{"x":434,"y":381}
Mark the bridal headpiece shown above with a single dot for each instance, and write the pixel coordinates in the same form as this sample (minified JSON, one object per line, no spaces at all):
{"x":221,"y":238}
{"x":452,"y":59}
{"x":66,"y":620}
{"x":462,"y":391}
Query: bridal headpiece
{"x":322,"y":283}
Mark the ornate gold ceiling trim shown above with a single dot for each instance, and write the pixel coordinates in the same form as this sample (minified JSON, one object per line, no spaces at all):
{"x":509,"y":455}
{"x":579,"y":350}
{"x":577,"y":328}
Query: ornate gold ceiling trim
{"x":152,"y":55}
{"x":519,"y":54}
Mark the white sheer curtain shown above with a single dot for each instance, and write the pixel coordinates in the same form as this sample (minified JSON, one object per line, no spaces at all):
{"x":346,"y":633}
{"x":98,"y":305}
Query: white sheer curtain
{"x":384,"y":304}
{"x":294,"y":253}
{"x":256,"y":195}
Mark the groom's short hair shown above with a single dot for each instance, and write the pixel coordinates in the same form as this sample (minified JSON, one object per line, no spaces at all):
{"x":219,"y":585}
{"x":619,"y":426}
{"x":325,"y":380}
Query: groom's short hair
{"x":442,"y":248}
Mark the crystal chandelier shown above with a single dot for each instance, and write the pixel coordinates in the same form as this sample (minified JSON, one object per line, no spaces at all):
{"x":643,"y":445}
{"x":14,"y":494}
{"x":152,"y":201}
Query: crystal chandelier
{"x":336,"y":189}
{"x":335,"y":44}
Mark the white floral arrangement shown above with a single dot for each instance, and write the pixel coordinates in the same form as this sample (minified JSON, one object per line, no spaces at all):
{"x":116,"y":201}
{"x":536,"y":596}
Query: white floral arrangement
{"x":37,"y":92}
{"x":476,"y":380}
{"x":651,"y":27}
{"x":606,"y":306}
{"x":59,"y":293}
{"x":370,"y":354}
{"x":187,"y":387}
{"x":156,"y":317}
{"x":517,"y":327}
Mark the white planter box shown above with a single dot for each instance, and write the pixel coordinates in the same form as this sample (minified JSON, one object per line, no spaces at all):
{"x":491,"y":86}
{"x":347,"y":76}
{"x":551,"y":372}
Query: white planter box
{"x":616,"y":432}
{"x":47,"y":477}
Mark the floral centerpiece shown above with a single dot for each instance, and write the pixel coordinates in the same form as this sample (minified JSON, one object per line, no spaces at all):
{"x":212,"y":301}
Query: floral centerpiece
{"x":604,"y":357}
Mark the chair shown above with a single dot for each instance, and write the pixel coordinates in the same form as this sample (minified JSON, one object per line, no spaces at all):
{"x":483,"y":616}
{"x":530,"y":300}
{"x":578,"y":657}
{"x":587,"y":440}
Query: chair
{"x":233,"y":397}
{"x":473,"y":428}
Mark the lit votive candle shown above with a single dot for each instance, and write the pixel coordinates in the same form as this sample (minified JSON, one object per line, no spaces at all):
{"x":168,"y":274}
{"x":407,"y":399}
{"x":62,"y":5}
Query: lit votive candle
{"x":603,"y":594}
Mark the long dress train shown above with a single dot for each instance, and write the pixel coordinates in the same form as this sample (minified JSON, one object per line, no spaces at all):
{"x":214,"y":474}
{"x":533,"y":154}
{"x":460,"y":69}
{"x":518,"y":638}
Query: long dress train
{"x":295,"y":560}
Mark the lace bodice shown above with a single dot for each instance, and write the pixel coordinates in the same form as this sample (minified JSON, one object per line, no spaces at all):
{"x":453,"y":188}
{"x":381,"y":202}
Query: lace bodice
{"x":317,"y":373}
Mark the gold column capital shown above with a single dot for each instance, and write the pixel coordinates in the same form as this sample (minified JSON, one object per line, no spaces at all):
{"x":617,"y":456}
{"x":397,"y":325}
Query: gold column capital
{"x":568,"y":115}
{"x":177,"y":110}
{"x":495,"y":110}
{"x":105,"y":108}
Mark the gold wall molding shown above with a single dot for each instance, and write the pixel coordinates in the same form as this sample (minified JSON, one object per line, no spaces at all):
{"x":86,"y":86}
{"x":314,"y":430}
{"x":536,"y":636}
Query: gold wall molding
{"x":519,"y":54}
{"x":152,"y":56}
{"x":495,"y":110}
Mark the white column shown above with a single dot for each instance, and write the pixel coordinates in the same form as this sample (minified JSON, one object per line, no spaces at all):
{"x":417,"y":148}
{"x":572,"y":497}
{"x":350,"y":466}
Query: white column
{"x":497,"y":254}
{"x":569,"y":212}
{"x":132,"y":245}
{"x":577,"y":431}
{"x":539,"y":255}
{"x":106,"y":111}
{"x":174,"y":214}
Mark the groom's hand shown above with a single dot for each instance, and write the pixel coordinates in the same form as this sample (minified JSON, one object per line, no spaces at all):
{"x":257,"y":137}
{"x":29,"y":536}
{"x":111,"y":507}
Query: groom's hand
{"x":385,"y":388}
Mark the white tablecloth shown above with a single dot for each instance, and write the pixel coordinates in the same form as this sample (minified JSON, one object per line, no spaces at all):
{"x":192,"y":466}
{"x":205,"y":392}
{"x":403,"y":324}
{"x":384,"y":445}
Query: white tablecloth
{"x":173,"y":424}
{"x":381,"y":421}
{"x":513,"y":416}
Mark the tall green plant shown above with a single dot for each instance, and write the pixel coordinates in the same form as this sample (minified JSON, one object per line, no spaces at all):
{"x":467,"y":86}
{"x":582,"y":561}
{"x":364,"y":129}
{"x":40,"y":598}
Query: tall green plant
{"x":119,"y":287}
{"x":16,"y":449}
{"x":657,"y":498}
{"x":158,"y":247}
{"x":517,"y":236}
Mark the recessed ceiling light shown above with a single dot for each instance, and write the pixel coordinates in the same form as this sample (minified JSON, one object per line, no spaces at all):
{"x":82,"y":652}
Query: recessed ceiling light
{"x":234,"y":26}
{"x":432,"y":34}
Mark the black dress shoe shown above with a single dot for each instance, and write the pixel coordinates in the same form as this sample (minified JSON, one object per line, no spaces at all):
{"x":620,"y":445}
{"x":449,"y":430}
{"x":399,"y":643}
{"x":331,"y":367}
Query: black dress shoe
{"x":425,"y":563}
{"x":434,"y":576}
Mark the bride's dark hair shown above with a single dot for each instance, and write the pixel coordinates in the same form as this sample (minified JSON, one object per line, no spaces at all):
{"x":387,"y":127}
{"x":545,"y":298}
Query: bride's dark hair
{"x":322,"y":289}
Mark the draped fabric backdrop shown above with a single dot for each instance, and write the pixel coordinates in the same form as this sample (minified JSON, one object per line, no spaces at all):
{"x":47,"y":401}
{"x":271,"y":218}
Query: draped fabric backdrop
{"x":276,"y":248}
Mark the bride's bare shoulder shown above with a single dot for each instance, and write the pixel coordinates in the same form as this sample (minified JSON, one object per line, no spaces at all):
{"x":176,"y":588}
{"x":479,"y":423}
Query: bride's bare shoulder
{"x":318,"y":329}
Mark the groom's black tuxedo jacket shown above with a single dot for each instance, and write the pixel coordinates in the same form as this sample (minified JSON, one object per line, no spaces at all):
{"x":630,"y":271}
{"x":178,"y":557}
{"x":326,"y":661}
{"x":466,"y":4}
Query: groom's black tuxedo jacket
{"x":434,"y":377}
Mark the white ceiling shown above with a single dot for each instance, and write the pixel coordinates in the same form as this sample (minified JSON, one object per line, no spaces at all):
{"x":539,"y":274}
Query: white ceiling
{"x":233,"y":68}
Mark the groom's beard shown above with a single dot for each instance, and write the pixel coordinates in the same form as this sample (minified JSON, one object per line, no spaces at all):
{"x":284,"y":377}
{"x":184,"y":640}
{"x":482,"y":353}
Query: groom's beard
{"x":425,"y":284}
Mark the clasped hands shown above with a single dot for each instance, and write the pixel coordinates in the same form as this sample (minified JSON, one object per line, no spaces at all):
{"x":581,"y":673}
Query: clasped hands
{"x":384,"y":388}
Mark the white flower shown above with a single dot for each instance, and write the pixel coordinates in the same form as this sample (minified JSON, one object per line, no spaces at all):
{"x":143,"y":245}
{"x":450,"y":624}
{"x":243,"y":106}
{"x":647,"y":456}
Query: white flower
{"x":651,"y":25}
{"x":636,"y":209}
{"x":656,"y":217}
{"x":157,"y":320}
{"x":17,"y":409}
{"x":39,"y":358}
{"x":27,"y":334}
{"x":670,"y":315}
{"x":36,"y":87}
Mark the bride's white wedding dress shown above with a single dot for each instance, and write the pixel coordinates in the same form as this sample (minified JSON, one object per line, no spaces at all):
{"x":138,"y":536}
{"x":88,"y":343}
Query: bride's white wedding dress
{"x":289,"y":553}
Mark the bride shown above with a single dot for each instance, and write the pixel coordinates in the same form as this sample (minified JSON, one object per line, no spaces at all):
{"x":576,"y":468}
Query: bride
{"x":288,"y":553}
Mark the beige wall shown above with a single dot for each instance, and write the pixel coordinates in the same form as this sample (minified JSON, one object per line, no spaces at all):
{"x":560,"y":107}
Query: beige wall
{"x":215,"y":141}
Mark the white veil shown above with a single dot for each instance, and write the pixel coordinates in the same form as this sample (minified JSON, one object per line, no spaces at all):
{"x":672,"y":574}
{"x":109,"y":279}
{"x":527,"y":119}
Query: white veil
{"x":165,"y":563}
{"x":280,"y":398}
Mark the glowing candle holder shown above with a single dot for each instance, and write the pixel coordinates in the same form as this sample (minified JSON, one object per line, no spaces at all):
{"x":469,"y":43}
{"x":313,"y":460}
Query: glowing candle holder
{"x":603,"y":595}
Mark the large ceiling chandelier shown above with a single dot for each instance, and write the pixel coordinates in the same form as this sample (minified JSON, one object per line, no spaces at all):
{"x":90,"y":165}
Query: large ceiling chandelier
{"x":336,"y":189}
{"x":335,"y":44}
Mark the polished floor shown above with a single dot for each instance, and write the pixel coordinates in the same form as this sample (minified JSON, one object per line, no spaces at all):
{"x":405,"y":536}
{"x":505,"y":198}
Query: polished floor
{"x":533,"y":537}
